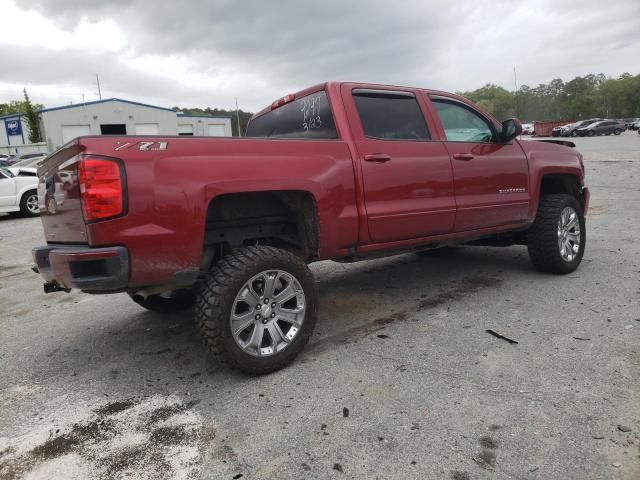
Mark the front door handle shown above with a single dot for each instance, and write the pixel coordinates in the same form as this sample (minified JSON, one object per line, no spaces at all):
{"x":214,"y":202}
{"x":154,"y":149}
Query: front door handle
{"x":377,"y":157}
{"x":463,"y":156}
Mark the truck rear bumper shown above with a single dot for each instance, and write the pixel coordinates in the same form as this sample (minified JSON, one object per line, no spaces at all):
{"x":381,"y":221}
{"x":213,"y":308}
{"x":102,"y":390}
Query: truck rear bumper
{"x":85,"y":268}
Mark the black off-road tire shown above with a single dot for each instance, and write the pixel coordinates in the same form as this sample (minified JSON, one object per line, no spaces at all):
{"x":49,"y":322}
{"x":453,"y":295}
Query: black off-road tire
{"x":179,"y":301}
{"x":542,"y":237}
{"x":24,"y":204}
{"x":216,"y":294}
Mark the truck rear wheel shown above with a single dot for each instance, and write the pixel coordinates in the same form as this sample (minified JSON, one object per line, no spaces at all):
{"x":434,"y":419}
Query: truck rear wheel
{"x":557,"y":238}
{"x":257,"y":309}
{"x":170,"y":302}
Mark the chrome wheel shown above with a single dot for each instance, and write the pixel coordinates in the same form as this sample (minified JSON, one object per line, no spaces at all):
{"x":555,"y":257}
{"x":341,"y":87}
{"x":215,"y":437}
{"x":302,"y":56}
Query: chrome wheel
{"x":268,"y":313}
{"x":32,"y":204}
{"x":569,"y":234}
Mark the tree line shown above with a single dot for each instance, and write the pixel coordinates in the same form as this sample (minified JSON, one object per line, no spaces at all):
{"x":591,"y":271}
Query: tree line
{"x":583,"y":97}
{"x":244,"y":116}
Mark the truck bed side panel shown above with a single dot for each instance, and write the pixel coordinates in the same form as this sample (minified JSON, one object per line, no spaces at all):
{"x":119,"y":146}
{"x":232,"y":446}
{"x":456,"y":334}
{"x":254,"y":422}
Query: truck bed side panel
{"x":170,"y":190}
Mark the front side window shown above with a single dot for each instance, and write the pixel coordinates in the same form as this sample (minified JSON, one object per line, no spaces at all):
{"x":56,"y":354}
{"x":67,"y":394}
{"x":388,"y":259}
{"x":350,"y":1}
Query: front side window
{"x":390,"y":116}
{"x":305,"y":118}
{"x":461,"y":124}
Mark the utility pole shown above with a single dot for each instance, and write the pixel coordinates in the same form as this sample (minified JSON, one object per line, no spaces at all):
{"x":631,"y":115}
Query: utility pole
{"x":238,"y":117}
{"x":99,"y":92}
{"x":515,"y":81}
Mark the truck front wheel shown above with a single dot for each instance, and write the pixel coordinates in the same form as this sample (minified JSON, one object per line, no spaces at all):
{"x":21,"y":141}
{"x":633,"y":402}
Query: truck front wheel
{"x":257,"y":309}
{"x":557,"y":238}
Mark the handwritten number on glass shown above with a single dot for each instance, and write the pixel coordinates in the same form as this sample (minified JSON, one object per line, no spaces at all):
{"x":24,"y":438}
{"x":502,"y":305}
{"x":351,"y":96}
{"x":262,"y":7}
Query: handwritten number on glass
{"x":310,"y":108}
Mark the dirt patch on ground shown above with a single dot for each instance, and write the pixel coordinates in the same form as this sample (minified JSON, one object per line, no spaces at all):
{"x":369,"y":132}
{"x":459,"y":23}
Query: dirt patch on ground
{"x":597,"y":210}
{"x":151,"y":438}
{"x":468,"y":286}
{"x":458,"y":291}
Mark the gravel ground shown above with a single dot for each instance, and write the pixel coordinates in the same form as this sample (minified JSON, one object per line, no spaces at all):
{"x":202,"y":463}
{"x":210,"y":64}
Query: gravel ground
{"x":400,"y":381}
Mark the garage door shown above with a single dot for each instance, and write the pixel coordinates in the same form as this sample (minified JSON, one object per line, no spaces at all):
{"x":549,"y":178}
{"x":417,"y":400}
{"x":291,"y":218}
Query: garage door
{"x":69,"y":132}
{"x":216,"y":130}
{"x":185,"y":129}
{"x":147,"y":129}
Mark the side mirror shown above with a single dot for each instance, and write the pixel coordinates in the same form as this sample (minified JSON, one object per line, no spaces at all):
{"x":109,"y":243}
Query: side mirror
{"x":511,"y":128}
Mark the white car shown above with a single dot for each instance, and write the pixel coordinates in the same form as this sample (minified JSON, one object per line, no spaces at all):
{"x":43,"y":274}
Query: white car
{"x":19,"y":191}
{"x":28,"y":159}
{"x":527,"y":128}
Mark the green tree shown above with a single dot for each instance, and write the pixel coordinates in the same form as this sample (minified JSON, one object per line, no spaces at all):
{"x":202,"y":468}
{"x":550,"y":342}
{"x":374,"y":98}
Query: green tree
{"x":10,"y":108}
{"x":33,"y":120}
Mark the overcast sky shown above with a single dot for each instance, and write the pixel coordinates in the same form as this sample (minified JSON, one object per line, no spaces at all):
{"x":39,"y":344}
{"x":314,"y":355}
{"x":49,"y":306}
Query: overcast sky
{"x":207,"y":52}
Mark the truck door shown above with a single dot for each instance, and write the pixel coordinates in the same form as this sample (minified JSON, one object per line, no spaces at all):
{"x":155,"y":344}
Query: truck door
{"x":407,"y":177}
{"x":491,"y":179}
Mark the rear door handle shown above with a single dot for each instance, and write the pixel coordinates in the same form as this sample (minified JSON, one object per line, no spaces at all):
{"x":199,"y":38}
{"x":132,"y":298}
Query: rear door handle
{"x":377,"y":157}
{"x":463,"y":156}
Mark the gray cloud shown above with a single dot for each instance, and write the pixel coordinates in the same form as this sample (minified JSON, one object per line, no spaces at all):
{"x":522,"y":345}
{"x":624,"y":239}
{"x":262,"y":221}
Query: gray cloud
{"x":259,"y":50}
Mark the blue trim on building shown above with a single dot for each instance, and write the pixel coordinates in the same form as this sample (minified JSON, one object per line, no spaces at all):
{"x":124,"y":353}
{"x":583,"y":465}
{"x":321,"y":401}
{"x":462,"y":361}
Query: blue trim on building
{"x":95,"y":102}
{"x":203,"y":116}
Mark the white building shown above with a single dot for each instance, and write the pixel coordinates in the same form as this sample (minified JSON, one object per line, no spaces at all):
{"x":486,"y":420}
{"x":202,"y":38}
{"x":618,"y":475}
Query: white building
{"x":115,"y":116}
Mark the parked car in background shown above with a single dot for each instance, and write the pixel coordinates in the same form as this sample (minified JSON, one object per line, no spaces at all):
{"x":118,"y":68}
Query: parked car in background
{"x":565,"y":130}
{"x":628,"y":122}
{"x":559,"y":130}
{"x":636,"y":126}
{"x":527,"y":128}
{"x":23,"y":171}
{"x":603,"y":127}
{"x":27,"y":156}
{"x":18,"y":193}
{"x":4,"y":156}
{"x":32,"y":161}
{"x":572,"y":129}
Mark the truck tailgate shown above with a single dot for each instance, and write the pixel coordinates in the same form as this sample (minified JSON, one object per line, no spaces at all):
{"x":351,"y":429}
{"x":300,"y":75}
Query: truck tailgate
{"x":59,"y":197}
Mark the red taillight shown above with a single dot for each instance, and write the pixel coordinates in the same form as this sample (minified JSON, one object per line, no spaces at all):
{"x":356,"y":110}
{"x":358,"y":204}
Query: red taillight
{"x":283,"y":101}
{"x":101,"y":188}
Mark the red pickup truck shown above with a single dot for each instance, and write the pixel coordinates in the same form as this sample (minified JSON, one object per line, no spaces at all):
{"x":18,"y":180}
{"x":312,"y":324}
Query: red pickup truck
{"x":342,"y":171}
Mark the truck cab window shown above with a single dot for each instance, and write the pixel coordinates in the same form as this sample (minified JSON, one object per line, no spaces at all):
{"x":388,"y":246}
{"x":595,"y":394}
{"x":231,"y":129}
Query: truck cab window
{"x":308,"y":117}
{"x":389,"y":116}
{"x":461,"y":124}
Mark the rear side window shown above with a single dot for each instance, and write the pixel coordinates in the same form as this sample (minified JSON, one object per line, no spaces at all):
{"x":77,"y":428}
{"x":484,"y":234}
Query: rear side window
{"x":308,"y":117}
{"x":390,"y":116}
